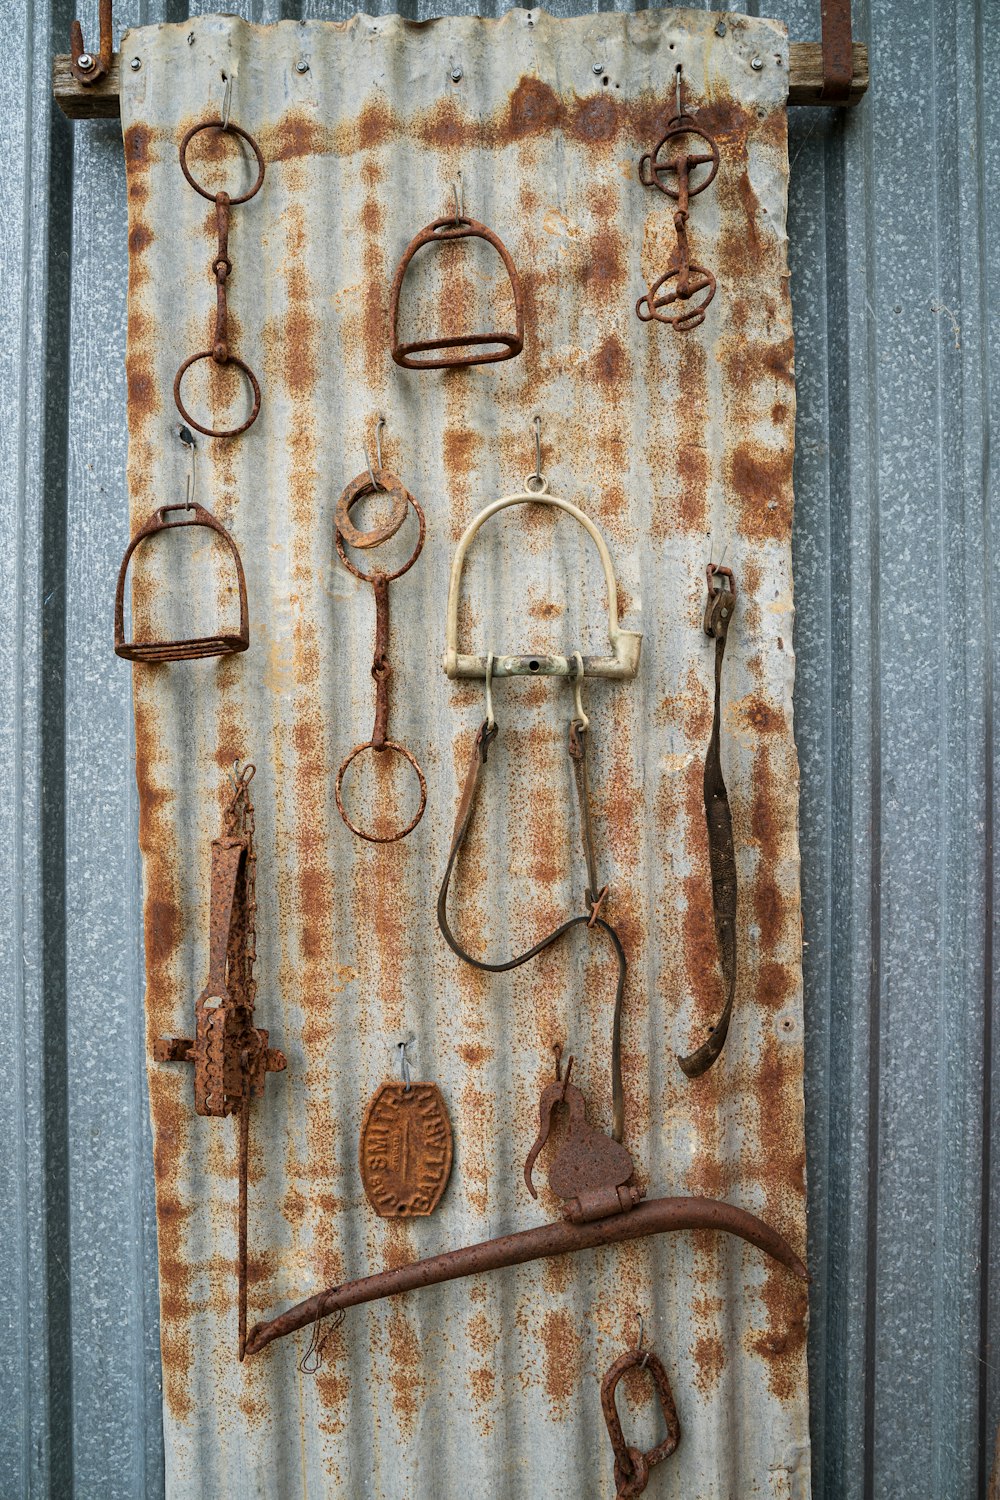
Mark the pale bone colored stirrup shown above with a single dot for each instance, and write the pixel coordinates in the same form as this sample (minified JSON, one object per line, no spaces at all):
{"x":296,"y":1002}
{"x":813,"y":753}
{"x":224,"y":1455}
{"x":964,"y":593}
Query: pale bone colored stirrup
{"x":625,"y":644}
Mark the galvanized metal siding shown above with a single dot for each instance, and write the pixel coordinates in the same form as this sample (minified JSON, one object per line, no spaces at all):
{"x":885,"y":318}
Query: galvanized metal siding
{"x":895,"y":265}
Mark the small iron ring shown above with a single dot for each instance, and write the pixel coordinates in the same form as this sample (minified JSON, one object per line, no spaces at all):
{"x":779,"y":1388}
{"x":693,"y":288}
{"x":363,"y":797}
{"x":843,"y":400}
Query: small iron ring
{"x":386,"y":577}
{"x":231,"y":359}
{"x":229,"y":129}
{"x":377,"y":838}
{"x":684,"y":125}
{"x":379,"y":482}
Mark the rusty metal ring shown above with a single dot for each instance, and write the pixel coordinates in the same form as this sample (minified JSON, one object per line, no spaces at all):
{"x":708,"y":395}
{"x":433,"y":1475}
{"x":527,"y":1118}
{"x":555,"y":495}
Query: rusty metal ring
{"x":379,"y":482}
{"x":230,"y":129}
{"x":386,"y":577}
{"x":628,"y":1486}
{"x":231,"y":359}
{"x":376,"y":838}
{"x":682,"y":125}
{"x":685,"y":318}
{"x":631,"y":1466}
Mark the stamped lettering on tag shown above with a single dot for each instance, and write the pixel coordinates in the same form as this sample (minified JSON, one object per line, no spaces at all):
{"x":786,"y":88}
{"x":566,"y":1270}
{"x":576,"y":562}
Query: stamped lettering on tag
{"x":406,"y":1149}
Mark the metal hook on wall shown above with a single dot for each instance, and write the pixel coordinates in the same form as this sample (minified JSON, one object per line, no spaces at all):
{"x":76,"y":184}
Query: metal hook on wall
{"x":90,"y":67}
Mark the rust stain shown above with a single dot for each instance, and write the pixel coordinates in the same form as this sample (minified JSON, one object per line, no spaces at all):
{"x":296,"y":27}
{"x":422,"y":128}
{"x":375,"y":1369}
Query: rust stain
{"x":562,"y":1349}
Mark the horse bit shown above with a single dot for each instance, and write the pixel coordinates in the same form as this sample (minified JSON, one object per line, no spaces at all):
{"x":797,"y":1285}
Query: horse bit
{"x":622,"y":663}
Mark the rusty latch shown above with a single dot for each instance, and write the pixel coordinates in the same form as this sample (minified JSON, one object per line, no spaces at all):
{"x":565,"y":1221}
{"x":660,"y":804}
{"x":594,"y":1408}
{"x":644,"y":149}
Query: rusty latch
{"x":90,"y":67}
{"x":592,"y":1173}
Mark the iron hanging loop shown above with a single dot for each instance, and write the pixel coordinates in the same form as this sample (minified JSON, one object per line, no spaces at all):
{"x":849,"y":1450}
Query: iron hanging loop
{"x":88,"y":67}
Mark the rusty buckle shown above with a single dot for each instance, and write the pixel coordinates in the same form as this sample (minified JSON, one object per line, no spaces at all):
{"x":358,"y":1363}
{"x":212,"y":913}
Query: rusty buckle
{"x":222,"y":266}
{"x":442,"y":231}
{"x":632,"y":1466}
{"x":225,"y":643}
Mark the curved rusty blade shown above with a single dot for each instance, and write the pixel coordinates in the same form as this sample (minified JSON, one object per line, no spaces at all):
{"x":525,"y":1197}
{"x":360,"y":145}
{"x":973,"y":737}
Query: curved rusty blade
{"x":660,"y":1216}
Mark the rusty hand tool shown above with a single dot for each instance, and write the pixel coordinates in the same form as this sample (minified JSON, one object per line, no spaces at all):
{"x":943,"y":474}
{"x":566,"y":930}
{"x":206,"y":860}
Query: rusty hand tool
{"x":443,"y":231}
{"x":222,"y":267}
{"x":618,"y":1223}
{"x":632,"y":1465}
{"x":344,"y":529}
{"x":669,"y":298}
{"x":230,"y":1054}
{"x":721,"y":849}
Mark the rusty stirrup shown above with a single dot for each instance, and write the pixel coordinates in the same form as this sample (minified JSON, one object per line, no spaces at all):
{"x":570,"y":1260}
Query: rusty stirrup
{"x":224,"y":643}
{"x":230,"y":1054}
{"x":456,"y":227}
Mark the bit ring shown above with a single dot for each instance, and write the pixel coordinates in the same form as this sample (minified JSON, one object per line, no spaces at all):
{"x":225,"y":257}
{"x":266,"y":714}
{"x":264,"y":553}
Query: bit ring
{"x":339,"y":537}
{"x":379,"y":482}
{"x":231,"y":130}
{"x":232,"y":359}
{"x":381,"y":838}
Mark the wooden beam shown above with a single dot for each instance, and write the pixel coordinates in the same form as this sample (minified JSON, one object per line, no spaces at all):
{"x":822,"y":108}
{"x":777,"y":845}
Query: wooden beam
{"x":100,"y":101}
{"x":805,"y":73}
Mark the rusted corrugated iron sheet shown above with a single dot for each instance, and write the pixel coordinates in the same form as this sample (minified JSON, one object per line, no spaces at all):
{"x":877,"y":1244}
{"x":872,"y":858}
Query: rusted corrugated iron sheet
{"x":680,"y":448}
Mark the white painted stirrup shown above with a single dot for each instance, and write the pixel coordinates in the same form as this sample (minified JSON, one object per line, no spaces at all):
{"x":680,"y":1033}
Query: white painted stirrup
{"x":625,"y":644}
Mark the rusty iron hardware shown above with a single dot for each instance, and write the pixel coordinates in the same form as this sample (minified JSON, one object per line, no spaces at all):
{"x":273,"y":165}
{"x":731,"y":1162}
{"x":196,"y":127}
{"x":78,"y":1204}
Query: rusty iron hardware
{"x":838,"y":51}
{"x":625,"y":644}
{"x":623,"y":662}
{"x":226,"y":642}
{"x":669,"y":298}
{"x":222,"y":267}
{"x":230,"y":1054}
{"x":591,"y":1172}
{"x":632,"y":1466}
{"x":719,"y":608}
{"x":656,"y":1216}
{"x":370,"y":484}
{"x":91,"y":67}
{"x":405,"y":1151}
{"x":456,"y":227}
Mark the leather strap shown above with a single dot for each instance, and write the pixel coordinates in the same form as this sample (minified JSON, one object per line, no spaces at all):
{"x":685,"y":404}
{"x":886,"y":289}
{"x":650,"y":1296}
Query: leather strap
{"x":485,"y":736}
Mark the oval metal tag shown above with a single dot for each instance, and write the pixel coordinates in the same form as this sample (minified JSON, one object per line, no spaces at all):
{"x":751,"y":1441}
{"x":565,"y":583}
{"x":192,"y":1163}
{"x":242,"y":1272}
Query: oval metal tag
{"x":405,"y":1150}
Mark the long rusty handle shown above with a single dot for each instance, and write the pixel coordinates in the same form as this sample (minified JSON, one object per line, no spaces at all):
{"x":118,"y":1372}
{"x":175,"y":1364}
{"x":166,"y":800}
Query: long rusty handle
{"x":659,"y":1216}
{"x":381,"y":668}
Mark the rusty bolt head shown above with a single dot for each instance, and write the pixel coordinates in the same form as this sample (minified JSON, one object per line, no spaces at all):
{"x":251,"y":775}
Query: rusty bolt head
{"x":85,"y":62}
{"x":756,"y":63}
{"x":135,"y":64}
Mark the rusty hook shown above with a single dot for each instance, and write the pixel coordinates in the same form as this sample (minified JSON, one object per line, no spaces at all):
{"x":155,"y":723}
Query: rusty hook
{"x":89,"y":67}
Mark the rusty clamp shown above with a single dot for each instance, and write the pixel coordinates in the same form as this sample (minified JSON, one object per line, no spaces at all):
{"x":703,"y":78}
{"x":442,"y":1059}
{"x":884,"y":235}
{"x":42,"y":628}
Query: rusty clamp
{"x":623,"y":663}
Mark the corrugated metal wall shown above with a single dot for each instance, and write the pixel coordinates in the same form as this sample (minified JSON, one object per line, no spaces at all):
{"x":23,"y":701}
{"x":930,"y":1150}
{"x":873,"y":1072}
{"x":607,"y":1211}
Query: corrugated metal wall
{"x":892,"y":258}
